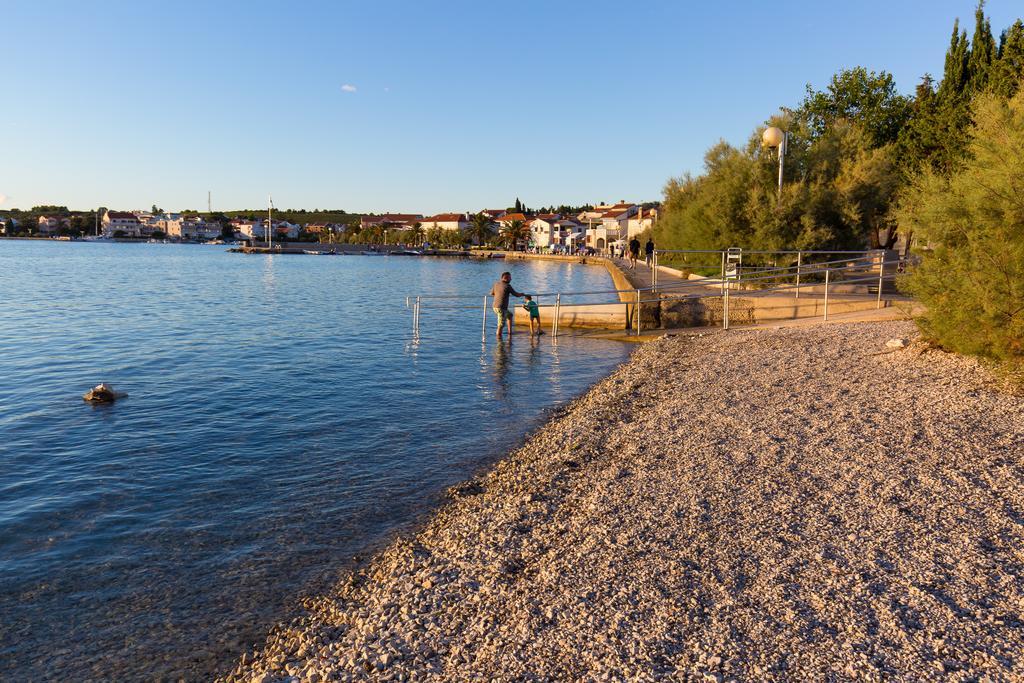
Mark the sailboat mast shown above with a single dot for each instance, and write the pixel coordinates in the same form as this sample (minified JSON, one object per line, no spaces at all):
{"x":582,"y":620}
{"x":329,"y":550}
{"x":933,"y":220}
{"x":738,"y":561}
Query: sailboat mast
{"x":270,"y":223}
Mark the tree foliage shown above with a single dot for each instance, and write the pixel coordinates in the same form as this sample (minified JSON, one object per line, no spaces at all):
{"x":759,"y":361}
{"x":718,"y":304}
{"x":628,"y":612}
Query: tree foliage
{"x":856,"y":95}
{"x":480,"y":229}
{"x":854,"y":146}
{"x":514,"y":232}
{"x":836,"y":194}
{"x":972,"y":281}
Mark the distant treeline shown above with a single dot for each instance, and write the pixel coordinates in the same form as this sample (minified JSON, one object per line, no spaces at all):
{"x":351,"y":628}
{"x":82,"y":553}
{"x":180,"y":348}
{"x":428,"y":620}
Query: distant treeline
{"x":299,"y":216}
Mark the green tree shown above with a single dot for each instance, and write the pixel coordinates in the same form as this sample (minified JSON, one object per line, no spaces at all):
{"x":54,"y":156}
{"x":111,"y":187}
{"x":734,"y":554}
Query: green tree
{"x":867,"y":98}
{"x":837,"y":194}
{"x":971,"y":279}
{"x":480,"y":229}
{"x":983,"y":51}
{"x":1008,"y":70}
{"x":417,"y":233}
{"x":514,"y":232}
{"x":518,"y":206}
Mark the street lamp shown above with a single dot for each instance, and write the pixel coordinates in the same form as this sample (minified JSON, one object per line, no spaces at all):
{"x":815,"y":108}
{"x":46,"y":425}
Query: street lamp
{"x":776,"y":138}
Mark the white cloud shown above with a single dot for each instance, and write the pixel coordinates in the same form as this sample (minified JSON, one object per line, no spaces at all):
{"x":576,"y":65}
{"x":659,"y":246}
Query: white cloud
{"x":348,"y":87}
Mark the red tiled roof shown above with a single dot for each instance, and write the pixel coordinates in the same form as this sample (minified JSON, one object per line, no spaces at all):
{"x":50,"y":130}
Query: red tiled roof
{"x":509,"y":217}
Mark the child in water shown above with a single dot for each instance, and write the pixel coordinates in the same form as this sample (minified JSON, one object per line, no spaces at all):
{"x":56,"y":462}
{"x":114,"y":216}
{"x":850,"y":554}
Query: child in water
{"x":534,"y":311}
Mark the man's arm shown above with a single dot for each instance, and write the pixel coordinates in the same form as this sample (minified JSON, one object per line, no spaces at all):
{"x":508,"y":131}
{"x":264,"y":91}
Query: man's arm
{"x":514,"y":292}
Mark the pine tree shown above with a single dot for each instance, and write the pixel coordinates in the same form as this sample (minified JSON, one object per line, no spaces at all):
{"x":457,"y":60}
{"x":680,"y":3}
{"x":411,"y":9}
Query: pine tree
{"x":519,"y":206}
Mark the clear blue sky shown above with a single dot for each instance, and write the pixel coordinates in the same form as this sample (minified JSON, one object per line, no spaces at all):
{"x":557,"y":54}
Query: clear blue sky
{"x":451,"y":106}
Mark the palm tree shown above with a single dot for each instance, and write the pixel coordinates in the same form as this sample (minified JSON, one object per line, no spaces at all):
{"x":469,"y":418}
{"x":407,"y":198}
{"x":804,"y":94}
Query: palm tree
{"x":416,"y":232}
{"x":480,"y":228}
{"x":514,"y":231}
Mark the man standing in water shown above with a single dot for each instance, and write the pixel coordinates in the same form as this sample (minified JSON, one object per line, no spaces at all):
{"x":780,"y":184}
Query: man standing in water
{"x":501,"y":291}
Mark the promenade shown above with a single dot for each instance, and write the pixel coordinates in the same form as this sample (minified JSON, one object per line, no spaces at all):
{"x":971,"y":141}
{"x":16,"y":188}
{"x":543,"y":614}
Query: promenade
{"x":767,"y":505}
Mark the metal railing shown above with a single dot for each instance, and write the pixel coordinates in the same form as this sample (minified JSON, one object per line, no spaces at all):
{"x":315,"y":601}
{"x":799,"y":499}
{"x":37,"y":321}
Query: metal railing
{"x":760,"y":282}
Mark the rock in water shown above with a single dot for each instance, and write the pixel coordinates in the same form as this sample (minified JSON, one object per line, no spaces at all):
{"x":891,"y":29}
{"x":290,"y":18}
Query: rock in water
{"x":102,"y":393}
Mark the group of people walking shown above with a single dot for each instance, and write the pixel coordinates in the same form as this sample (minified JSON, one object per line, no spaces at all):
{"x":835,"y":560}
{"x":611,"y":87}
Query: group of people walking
{"x":634,"y":252}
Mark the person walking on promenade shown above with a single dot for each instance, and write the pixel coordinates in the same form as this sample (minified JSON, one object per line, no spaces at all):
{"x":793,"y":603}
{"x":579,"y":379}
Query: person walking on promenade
{"x":634,"y":252}
{"x":501,"y":291}
{"x":649,"y":251}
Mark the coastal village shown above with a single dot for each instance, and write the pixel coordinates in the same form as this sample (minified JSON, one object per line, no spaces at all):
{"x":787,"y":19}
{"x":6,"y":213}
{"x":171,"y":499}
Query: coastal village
{"x":765,"y":428}
{"x":598,"y":228}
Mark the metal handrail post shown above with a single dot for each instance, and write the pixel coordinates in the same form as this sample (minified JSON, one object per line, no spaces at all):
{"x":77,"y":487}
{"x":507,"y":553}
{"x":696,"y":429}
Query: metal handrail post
{"x":723,"y":272}
{"x":725,"y":310}
{"x":554,"y":321}
{"x":637,"y":307}
{"x":826,"y":294}
{"x":483,"y":325}
{"x":799,"y":261}
{"x":881,"y":277}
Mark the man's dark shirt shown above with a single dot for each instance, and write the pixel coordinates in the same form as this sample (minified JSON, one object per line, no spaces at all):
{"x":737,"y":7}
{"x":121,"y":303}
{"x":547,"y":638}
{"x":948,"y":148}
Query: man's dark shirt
{"x":501,"y":291}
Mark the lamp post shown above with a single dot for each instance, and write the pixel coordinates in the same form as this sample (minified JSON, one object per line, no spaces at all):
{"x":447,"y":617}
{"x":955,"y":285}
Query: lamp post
{"x":776,"y":138}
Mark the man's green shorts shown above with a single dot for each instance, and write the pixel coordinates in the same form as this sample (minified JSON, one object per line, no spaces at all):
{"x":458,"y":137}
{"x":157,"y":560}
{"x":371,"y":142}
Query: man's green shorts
{"x":504,"y":315}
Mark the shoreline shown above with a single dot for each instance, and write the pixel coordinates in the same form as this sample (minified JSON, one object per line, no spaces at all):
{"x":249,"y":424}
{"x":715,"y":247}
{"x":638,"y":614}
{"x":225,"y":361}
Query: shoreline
{"x":795,"y":533}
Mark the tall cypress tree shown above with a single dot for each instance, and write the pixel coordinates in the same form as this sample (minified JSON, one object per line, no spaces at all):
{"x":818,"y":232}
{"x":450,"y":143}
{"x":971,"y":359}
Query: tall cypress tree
{"x":1008,"y":69}
{"x":982,"y":51}
{"x":921,"y":140}
{"x":955,"y":73}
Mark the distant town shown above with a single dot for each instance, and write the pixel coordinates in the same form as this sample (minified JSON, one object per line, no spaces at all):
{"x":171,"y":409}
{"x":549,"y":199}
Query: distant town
{"x":558,"y":229}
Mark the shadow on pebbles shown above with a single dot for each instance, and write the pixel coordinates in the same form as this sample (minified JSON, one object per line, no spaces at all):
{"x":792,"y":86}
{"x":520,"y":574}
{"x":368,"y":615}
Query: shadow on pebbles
{"x":788,"y":504}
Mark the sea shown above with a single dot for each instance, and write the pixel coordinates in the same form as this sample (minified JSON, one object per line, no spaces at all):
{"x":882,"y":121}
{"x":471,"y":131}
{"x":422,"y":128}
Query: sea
{"x":282,"y":421}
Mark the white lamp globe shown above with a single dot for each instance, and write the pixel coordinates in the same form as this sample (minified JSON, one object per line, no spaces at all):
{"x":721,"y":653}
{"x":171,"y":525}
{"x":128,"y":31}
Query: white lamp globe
{"x":772,"y":137}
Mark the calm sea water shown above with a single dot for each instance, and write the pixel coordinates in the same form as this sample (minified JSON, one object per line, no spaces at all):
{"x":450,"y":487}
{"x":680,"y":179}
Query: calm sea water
{"x":280,"y":420}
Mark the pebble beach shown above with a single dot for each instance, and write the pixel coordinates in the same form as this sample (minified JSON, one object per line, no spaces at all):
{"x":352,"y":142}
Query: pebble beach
{"x":787,"y":504}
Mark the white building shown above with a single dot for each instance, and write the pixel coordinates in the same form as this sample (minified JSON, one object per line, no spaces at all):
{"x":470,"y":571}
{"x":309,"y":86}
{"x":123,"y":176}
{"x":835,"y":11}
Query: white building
{"x":643,"y":220}
{"x":51,"y":225}
{"x":125,"y":222}
{"x":250,"y":230}
{"x":446,"y":221}
{"x":189,"y":227}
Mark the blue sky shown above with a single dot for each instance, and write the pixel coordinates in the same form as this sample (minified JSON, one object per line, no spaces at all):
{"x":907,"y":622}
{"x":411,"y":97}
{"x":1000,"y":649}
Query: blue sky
{"x":451,"y":106}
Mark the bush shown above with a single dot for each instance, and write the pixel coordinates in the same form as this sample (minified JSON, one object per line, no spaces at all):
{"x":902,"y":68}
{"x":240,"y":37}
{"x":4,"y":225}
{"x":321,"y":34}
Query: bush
{"x":971,"y":277}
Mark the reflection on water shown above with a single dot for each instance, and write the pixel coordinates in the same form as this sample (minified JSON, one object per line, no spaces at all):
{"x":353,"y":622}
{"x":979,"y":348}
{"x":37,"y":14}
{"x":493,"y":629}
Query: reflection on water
{"x":281,"y":418}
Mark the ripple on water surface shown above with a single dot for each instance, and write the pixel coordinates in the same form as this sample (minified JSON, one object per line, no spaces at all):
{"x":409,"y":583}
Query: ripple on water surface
{"x":280,"y":419}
